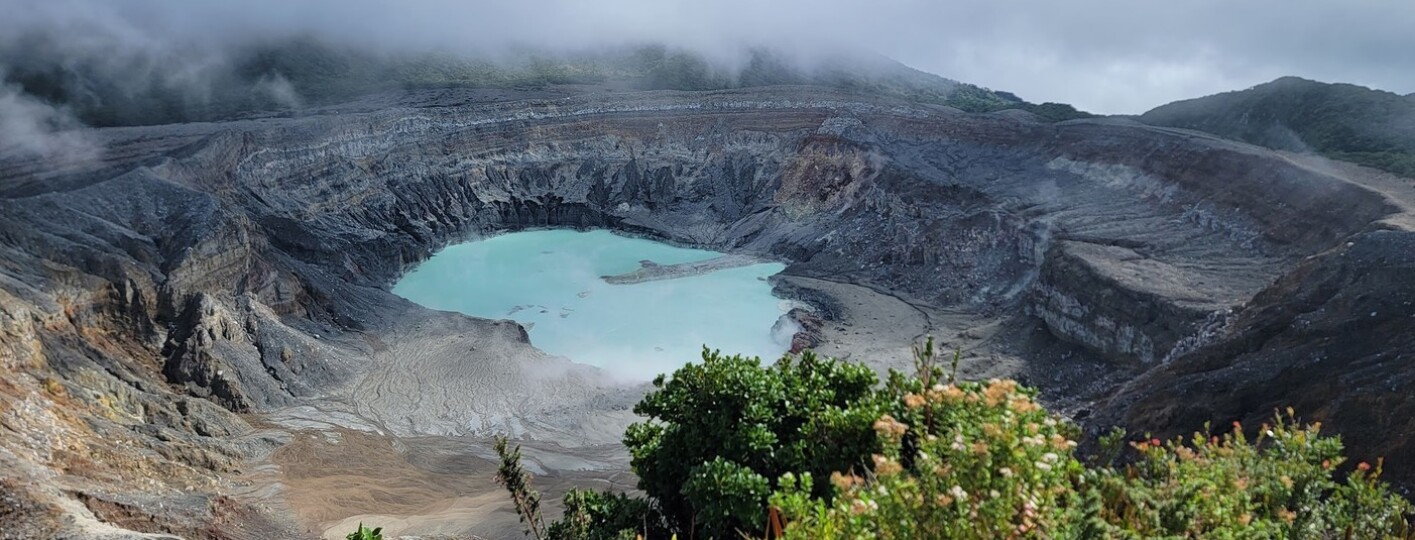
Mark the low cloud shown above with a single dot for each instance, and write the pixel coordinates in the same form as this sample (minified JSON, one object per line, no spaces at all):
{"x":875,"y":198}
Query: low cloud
{"x":276,"y":88}
{"x":30,"y":128}
{"x":1107,"y":56}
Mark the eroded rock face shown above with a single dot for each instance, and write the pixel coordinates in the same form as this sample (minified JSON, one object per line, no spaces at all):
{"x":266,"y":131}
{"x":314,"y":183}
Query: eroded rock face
{"x":1332,"y":340}
{"x":93,"y":440}
{"x":248,"y":262}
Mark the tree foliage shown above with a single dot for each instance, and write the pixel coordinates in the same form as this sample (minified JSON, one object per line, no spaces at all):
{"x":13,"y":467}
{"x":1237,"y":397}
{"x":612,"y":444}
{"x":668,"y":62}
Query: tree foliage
{"x":720,"y":432}
{"x":994,"y":465}
{"x":605,"y":515}
{"x":517,"y":482}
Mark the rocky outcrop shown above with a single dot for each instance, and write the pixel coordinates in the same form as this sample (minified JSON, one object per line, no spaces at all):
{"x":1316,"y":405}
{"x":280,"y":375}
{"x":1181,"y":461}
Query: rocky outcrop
{"x":1117,"y":302}
{"x":807,"y":327}
{"x":94,"y":443}
{"x":248,"y":262}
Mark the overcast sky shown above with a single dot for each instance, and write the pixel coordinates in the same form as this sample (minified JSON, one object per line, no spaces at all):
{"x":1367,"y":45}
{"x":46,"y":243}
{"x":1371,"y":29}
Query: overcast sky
{"x":1120,"y":56}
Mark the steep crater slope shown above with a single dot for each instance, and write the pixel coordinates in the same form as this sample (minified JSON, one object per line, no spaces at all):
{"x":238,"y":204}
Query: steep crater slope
{"x":248,"y":262}
{"x":1333,"y":339}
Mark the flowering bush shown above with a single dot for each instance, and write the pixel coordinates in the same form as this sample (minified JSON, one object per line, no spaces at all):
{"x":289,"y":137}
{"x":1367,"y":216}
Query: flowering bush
{"x":1279,"y":485}
{"x":970,"y":460}
{"x":987,"y":462}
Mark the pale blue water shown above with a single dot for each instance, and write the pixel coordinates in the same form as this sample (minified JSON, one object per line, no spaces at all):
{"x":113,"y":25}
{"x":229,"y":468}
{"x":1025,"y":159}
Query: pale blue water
{"x":550,"y":281}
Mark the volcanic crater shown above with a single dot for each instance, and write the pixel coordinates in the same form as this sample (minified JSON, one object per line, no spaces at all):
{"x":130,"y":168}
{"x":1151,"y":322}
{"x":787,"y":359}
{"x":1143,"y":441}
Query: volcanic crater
{"x":206,"y":319}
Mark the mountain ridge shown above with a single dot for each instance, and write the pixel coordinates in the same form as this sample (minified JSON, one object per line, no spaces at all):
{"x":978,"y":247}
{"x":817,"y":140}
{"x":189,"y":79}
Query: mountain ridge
{"x":1347,"y":122}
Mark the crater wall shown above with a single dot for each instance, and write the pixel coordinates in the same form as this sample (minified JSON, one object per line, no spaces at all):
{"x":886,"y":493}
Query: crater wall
{"x":248,"y":262}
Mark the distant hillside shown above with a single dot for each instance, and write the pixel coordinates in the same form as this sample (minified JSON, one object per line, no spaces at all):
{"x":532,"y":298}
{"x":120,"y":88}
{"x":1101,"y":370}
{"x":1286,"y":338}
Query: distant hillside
{"x":106,"y":91}
{"x":1340,"y":121}
{"x":659,"y":68}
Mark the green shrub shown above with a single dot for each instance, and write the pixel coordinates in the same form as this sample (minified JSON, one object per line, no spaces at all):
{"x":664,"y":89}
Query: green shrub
{"x":734,"y":449}
{"x":1280,"y":485}
{"x":992,"y":464}
{"x":970,"y":460}
{"x":604,"y":515}
{"x":365,"y":533}
{"x":720,"y":432}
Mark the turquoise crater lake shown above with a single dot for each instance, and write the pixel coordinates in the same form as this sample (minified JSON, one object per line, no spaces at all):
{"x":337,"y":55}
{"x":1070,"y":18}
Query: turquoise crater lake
{"x":551,"y":282}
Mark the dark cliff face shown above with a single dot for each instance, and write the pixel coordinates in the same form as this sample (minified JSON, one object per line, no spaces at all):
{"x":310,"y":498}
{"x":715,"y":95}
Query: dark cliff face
{"x":247,"y":262}
{"x":1332,"y":340}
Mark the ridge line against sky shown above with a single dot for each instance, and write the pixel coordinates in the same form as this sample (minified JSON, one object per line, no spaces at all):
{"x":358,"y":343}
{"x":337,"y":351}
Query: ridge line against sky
{"x":1103,"y":56}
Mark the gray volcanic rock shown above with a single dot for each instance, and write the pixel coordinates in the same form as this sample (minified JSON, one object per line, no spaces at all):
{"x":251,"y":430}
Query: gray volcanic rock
{"x":248,"y":262}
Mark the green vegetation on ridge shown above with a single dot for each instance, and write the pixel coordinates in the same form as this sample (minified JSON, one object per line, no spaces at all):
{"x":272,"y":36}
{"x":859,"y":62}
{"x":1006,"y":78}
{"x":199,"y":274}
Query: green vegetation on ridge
{"x":1339,"y":121}
{"x":812,"y":448}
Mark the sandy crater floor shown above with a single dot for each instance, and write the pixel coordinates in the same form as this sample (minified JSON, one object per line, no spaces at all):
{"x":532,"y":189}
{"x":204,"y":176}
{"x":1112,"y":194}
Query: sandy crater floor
{"x":343,"y":465}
